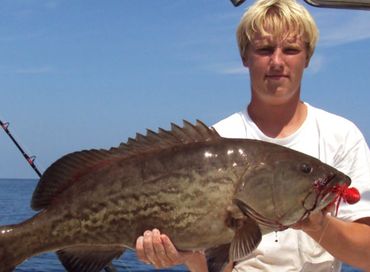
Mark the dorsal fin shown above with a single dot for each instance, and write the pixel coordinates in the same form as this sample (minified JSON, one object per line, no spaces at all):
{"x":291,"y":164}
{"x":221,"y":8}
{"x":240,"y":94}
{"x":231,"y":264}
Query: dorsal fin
{"x":189,"y":133}
{"x":73,"y":167}
{"x":64,"y":172}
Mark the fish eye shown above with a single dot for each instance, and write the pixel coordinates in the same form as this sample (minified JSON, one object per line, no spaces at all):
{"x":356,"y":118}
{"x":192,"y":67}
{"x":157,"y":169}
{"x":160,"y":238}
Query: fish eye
{"x":305,"y":168}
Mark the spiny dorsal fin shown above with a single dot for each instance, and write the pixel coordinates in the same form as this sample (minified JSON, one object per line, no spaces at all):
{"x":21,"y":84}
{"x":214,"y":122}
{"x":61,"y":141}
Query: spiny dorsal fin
{"x":73,"y":167}
{"x":189,"y":133}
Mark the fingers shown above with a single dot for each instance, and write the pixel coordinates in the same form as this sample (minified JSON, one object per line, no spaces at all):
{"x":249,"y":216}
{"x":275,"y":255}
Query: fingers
{"x":315,"y":222}
{"x":140,"y":250}
{"x":156,"y":249}
{"x":171,"y":251}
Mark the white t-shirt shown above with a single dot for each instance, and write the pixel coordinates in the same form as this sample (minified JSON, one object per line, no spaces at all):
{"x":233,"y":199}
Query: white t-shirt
{"x":335,"y":141}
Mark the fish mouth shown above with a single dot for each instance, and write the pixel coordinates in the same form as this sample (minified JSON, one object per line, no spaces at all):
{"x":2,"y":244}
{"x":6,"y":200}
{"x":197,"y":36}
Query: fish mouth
{"x":323,"y":183}
{"x":328,"y":184}
{"x":325,"y":192}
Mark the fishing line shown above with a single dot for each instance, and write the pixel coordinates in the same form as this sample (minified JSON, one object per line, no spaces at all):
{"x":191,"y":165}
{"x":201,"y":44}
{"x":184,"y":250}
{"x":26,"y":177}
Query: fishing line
{"x":316,"y":246}
{"x":322,"y":235}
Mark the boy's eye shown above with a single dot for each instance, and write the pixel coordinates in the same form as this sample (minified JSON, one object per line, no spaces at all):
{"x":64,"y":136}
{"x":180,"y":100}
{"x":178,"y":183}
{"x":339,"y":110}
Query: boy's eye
{"x":267,"y":50}
{"x":291,"y":50}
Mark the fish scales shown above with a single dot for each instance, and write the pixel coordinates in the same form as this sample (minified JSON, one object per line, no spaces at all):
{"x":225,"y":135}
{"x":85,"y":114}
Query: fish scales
{"x":202,"y":190}
{"x":111,"y":205}
{"x":181,"y":183}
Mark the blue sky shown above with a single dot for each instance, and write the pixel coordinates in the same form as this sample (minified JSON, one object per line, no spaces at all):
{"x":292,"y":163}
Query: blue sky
{"x":89,"y":74}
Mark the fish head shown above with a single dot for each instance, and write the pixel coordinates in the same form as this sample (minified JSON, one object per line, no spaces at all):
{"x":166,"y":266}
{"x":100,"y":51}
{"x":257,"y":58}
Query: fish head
{"x":285,"y":186}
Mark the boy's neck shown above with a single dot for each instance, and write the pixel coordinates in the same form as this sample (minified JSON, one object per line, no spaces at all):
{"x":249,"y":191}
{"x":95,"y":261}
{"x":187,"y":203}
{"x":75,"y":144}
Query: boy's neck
{"x":278,"y":121}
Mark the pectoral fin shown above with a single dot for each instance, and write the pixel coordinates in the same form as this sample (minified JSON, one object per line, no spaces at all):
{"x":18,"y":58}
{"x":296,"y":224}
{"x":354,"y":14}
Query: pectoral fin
{"x":247,"y":237}
{"x":88,"y":259}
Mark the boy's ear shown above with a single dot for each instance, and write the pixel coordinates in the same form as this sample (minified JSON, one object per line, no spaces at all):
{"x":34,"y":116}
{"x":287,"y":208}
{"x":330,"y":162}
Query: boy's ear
{"x":245,"y":61}
{"x":308,"y":57}
{"x":307,"y":61}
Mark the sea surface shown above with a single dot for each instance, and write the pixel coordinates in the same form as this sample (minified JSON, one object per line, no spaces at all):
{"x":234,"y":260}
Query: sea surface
{"x":15,"y":196}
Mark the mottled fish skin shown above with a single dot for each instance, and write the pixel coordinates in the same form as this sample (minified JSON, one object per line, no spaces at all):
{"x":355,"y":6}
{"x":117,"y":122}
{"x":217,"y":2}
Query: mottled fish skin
{"x":193,"y":185}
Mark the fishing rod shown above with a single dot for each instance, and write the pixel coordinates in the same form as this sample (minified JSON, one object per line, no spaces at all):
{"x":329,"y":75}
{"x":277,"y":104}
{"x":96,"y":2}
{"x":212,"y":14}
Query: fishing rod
{"x":30,"y":160}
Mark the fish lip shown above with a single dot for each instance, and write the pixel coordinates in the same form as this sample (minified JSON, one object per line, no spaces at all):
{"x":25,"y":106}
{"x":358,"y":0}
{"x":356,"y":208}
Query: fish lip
{"x":324,"y":182}
{"x":326,"y":186}
{"x":331,"y":182}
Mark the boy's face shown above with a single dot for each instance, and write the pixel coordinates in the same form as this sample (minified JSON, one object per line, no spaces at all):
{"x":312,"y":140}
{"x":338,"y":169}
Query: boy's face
{"x":276,"y":66}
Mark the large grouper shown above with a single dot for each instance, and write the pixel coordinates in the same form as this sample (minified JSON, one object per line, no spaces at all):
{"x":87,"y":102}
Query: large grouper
{"x":204,"y":191}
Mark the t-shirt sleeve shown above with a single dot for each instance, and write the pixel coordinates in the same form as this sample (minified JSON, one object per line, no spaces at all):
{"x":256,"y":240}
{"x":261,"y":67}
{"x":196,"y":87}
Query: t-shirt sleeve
{"x":231,"y":127}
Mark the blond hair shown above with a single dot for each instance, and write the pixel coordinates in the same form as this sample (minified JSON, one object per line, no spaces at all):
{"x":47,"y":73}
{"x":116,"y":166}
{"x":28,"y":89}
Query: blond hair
{"x":277,"y":17}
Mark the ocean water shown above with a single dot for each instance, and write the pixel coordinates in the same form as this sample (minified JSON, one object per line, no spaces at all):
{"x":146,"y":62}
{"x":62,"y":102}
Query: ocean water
{"x":15,"y":196}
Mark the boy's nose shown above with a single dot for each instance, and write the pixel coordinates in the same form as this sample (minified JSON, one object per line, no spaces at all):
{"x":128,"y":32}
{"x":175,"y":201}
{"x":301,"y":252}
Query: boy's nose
{"x":277,"y":57}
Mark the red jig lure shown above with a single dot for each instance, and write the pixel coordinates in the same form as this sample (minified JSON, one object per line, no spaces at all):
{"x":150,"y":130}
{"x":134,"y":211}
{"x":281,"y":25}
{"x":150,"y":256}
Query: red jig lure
{"x":348,"y":195}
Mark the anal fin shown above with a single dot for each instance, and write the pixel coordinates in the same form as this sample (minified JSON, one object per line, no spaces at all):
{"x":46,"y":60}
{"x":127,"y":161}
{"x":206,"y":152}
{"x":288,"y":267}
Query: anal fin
{"x":88,"y":259}
{"x":217,"y":258}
